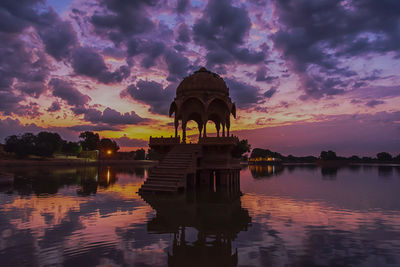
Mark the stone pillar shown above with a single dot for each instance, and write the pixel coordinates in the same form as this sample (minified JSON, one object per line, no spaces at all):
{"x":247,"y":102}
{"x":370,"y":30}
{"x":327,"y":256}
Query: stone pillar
{"x":205,"y":178}
{"x":224,"y":178}
{"x":200,"y":126}
{"x":223,"y":129}
{"x":184,"y":132}
{"x":176,"y":127}
{"x":218,"y":127}
{"x":205,"y":129}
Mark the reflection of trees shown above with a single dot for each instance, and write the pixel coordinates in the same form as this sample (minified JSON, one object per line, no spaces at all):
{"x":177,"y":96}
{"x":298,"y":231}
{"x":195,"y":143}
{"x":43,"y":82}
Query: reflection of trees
{"x":217,"y":217}
{"x":265,"y":171}
{"x":42,"y":181}
{"x":49,"y":181}
{"x":91,"y":179}
{"x":385,"y":171}
{"x":329,"y":172}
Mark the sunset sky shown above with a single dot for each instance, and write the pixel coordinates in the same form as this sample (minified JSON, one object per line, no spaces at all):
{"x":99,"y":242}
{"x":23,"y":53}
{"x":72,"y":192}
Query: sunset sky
{"x":306,"y":75}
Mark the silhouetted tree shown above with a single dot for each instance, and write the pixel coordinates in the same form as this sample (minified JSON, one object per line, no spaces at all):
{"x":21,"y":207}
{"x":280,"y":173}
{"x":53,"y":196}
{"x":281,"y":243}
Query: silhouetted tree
{"x":140,"y":154}
{"x":47,"y":144}
{"x":152,"y":155}
{"x":22,"y":145}
{"x":71,"y":148}
{"x":90,"y":140}
{"x":265,"y":153}
{"x":397,"y":158}
{"x":107,"y":145}
{"x":242,"y":147}
{"x":384,"y":156}
{"x":354,"y":158}
{"x":330,"y":155}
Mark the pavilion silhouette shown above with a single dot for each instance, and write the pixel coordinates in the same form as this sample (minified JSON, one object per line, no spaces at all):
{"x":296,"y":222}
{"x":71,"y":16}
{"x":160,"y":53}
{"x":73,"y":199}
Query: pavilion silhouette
{"x":201,"y":97}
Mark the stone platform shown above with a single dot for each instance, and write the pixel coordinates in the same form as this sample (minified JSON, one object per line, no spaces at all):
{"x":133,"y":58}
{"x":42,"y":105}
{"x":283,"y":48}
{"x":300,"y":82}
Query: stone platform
{"x":207,"y":164}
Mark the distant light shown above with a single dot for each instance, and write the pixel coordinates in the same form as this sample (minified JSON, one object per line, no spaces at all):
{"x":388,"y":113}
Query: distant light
{"x":109,"y":152}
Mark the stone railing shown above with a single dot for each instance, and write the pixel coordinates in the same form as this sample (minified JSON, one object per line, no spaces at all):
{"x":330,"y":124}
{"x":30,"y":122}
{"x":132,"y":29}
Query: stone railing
{"x":227,"y":140}
{"x":164,"y":140}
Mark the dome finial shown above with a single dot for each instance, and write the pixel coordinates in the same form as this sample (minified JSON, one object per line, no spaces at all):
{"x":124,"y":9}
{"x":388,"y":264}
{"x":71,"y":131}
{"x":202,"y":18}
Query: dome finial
{"x":203,"y":69}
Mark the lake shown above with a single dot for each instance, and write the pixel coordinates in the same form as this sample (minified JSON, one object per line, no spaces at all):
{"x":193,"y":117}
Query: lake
{"x":284,"y":216}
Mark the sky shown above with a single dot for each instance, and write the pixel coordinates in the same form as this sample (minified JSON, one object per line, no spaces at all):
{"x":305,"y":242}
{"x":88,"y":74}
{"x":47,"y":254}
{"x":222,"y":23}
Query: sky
{"x":306,"y":75}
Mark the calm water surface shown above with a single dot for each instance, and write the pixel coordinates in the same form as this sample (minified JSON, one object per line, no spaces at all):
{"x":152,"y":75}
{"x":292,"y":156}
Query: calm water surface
{"x":292,"y":216}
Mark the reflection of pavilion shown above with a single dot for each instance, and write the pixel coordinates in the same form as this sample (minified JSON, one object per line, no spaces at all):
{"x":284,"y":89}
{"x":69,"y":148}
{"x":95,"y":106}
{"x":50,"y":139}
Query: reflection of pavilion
{"x":217,"y":217}
{"x":200,"y":97}
{"x":261,"y":171}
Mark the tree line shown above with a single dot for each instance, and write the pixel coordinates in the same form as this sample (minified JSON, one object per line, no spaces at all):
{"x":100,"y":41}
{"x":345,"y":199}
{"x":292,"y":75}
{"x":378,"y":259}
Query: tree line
{"x":46,"y":144}
{"x":325,"y":156}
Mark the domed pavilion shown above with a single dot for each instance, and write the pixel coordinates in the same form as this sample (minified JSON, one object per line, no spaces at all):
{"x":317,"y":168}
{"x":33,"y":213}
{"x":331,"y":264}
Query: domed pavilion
{"x":202,"y":97}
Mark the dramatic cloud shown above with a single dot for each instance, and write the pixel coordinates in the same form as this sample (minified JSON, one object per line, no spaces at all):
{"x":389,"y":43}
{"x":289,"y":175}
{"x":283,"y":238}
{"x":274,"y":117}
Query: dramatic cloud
{"x":93,"y":128}
{"x":112,"y":117}
{"x":182,"y":5}
{"x":374,"y":103}
{"x":270,"y":92}
{"x":125,"y":141}
{"x":337,"y":53}
{"x":55,"y":106}
{"x":243,"y":94}
{"x":58,"y":37}
{"x":152,"y":94}
{"x":183,"y":33}
{"x":223,"y":30}
{"x":20,"y":67}
{"x":123,"y":18}
{"x":316,"y":36}
{"x":261,"y":75}
{"x":67,"y":92}
{"x":86,"y":61}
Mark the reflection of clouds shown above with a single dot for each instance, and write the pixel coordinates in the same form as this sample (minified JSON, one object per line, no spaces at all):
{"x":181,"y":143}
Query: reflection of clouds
{"x":305,"y":233}
{"x":299,"y":219}
{"x":70,"y":230}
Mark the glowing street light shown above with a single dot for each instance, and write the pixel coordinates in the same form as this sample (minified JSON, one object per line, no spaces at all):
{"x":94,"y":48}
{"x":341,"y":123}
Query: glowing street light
{"x":109,"y":152}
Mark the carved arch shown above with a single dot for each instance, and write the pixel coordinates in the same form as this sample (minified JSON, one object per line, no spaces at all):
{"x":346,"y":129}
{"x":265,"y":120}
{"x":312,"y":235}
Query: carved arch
{"x":173,"y":109}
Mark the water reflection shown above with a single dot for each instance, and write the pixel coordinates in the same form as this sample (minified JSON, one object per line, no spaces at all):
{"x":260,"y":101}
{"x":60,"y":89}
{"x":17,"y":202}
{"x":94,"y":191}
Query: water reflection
{"x":203,"y":226}
{"x":265,"y":171}
{"x":93,"y":216}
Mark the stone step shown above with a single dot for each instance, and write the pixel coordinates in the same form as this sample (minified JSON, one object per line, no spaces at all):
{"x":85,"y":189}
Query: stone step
{"x":144,"y":189}
{"x":159,"y":183}
{"x":151,"y":187}
{"x":158,"y":180}
{"x":166,"y":173}
{"x":170,"y":164}
{"x":166,"y":178}
{"x":180,"y":159}
{"x":172,"y":161}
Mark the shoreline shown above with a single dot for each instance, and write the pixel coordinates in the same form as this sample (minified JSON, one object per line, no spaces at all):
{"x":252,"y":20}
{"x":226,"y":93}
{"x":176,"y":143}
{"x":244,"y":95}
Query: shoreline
{"x":74,"y":163}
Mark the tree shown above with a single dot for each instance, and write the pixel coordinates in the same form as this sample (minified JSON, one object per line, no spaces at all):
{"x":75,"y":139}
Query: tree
{"x":330,"y":155}
{"x":90,"y":140}
{"x":152,"y":155}
{"x":242,"y":147}
{"x":47,"y":144}
{"x":384,"y":156}
{"x":140,"y":154}
{"x":108,"y":146}
{"x":22,"y":145}
{"x":265,"y":153}
{"x":71,"y":148}
{"x":397,"y":158}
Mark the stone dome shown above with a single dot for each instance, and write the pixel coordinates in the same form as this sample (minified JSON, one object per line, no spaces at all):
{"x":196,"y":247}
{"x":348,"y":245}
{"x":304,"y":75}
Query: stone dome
{"x":202,"y":80}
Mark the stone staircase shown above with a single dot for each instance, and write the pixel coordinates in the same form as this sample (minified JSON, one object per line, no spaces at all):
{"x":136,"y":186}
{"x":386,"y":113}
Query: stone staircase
{"x":170,"y":174}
